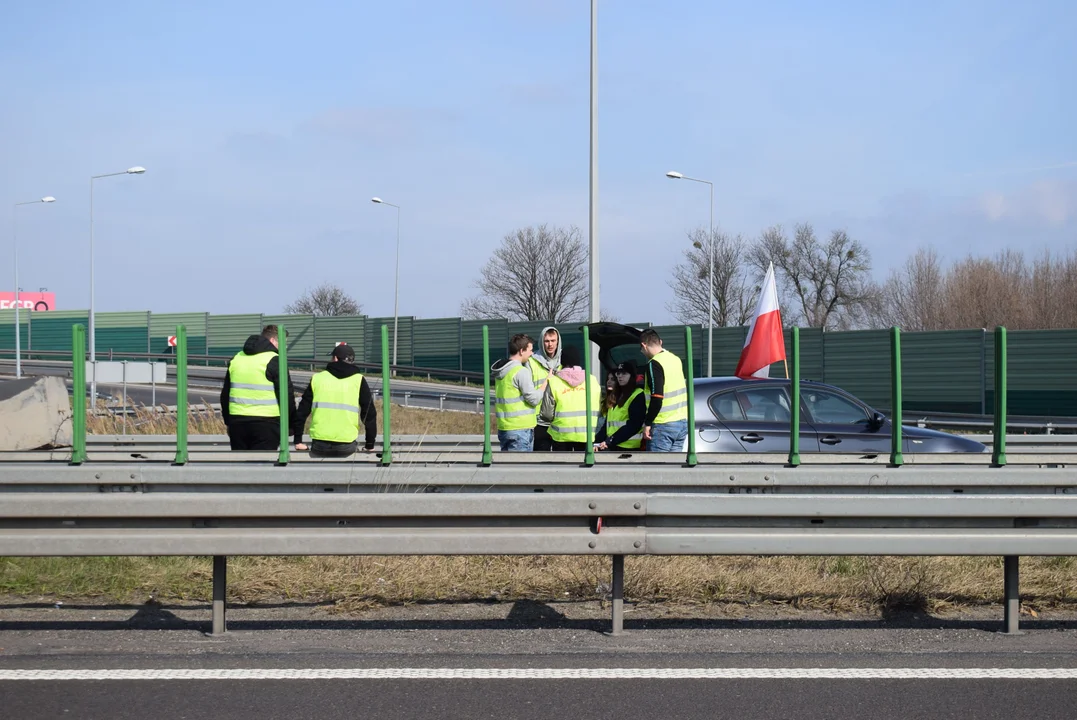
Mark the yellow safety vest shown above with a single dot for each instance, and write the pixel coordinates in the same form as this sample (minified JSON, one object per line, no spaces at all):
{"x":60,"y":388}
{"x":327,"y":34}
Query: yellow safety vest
{"x":251,"y":394}
{"x":335,"y":416}
{"x":538,"y":374}
{"x":570,"y":409}
{"x":675,"y":391}
{"x":617,"y":418}
{"x":513,"y":412}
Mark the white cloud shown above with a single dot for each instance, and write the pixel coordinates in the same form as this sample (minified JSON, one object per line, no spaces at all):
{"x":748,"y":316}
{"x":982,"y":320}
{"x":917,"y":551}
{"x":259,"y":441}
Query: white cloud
{"x":1049,"y":202}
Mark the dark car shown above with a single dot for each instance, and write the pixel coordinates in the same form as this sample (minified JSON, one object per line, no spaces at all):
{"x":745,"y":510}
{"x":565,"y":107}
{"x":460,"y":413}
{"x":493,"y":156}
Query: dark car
{"x":752,"y":415}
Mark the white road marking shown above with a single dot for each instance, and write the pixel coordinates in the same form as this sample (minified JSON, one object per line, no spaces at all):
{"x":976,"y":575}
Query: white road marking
{"x":550,"y":674}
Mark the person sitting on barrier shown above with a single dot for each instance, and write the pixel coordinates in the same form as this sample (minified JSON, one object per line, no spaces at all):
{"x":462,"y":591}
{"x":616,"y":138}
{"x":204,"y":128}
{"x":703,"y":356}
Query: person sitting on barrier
{"x":337,"y":399}
{"x":627,"y":409}
{"x":250,"y":398}
{"x":564,"y":404}
{"x":516,"y":396}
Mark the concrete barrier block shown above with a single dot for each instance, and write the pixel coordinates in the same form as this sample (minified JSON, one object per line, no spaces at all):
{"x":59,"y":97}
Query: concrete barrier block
{"x":35,"y":413}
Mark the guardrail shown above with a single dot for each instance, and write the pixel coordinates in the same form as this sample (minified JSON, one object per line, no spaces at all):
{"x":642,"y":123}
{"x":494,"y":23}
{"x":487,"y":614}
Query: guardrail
{"x":417,"y":499}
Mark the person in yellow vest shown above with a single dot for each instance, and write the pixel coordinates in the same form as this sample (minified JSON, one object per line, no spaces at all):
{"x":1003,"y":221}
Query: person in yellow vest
{"x":250,"y":398}
{"x":516,"y":396}
{"x":337,"y":400}
{"x":544,"y":362}
{"x":627,"y":410}
{"x":564,"y":405}
{"x":666,"y":426}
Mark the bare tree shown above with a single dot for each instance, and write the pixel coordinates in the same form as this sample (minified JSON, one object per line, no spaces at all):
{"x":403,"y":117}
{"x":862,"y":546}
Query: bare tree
{"x":827,"y":284}
{"x":734,"y":292}
{"x":538,"y":273}
{"x":326,"y":299}
{"x":913,"y":296}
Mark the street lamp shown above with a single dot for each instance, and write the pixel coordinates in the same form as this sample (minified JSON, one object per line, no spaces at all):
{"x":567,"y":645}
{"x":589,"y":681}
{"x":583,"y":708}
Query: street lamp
{"x":592,"y":201}
{"x":137,"y":170}
{"x":15,"y":243}
{"x":396,"y":291}
{"x":710,"y":270}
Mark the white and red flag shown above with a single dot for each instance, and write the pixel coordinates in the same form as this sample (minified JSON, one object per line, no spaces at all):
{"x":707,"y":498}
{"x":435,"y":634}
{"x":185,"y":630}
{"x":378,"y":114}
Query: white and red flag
{"x":765,"y":343}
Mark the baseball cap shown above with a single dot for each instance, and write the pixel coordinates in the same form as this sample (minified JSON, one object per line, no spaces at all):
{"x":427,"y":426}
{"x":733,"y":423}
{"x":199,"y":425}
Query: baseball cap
{"x":343,"y":352}
{"x":626,"y":367}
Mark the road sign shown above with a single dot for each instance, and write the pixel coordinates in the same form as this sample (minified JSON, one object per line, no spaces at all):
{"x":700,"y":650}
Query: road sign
{"x":171,"y":341}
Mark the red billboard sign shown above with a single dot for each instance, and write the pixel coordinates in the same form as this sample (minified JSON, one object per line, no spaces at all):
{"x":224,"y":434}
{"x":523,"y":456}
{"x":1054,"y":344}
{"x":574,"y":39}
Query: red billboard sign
{"x":28,"y":301}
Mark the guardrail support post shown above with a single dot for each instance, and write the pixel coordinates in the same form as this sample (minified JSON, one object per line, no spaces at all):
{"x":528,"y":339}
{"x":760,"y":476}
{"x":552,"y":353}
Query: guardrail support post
{"x":386,"y":400}
{"x":589,"y":452}
{"x":78,"y":394}
{"x":896,"y":456}
{"x":487,"y":450}
{"x":1013,"y":595}
{"x":182,"y":410}
{"x":220,"y":590}
{"x":794,"y":402}
{"x":618,"y":595}
{"x":998,"y":448}
{"x":690,"y":383}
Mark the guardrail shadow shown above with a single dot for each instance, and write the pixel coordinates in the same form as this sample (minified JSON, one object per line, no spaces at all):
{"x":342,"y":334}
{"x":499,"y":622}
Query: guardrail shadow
{"x":522,"y":615}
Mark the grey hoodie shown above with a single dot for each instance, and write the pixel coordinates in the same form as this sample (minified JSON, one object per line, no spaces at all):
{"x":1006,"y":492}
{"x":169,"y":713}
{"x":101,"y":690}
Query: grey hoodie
{"x":522,"y":380}
{"x":553,"y":364}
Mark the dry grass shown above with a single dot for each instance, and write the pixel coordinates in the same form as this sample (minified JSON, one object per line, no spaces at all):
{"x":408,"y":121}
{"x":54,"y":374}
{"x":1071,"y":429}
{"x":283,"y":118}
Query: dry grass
{"x":837,"y":584}
{"x":204,"y":420}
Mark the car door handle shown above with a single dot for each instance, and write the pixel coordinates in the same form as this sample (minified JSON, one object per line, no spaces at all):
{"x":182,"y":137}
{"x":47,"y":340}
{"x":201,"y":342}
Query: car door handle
{"x":751,"y":437}
{"x":830,"y":440}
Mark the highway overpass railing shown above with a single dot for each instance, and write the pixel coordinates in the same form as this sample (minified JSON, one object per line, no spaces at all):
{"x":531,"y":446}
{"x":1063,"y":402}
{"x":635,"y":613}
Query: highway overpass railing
{"x":416,"y":500}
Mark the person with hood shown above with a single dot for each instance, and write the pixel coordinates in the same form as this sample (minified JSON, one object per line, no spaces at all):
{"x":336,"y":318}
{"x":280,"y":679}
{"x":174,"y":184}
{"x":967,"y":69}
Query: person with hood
{"x":564,"y":405}
{"x":627,"y":410}
{"x":516,"y":396}
{"x":250,"y":398}
{"x":542,"y":366}
{"x":337,"y":399}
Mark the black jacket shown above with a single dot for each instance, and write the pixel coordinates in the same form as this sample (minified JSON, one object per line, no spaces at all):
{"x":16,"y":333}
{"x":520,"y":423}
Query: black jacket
{"x":368,"y":414}
{"x":257,"y":344}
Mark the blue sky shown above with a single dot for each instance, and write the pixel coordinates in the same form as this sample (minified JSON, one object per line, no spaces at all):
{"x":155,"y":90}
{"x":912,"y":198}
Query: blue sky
{"x":265,"y":128}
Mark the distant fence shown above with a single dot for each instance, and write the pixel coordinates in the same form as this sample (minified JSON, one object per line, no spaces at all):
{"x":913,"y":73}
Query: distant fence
{"x":944,"y":371}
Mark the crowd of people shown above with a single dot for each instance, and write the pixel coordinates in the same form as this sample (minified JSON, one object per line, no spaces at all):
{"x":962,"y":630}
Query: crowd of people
{"x":541,"y":400}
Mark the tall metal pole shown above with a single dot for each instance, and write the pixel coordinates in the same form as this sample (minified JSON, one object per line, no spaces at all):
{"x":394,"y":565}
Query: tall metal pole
{"x":592,"y":225}
{"x":15,"y":244}
{"x":396,"y":300}
{"x":710,"y":309}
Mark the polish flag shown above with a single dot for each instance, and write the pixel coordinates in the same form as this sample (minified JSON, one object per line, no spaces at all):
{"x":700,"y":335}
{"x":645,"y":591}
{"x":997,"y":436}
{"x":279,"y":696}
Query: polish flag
{"x":765,"y":343}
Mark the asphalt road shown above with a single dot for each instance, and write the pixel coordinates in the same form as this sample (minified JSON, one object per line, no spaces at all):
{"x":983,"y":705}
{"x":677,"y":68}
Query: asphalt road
{"x":510,"y":660}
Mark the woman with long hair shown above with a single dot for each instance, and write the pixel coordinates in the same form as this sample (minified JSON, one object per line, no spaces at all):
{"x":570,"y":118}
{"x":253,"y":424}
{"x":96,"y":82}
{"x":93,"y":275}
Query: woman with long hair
{"x":625,"y":409}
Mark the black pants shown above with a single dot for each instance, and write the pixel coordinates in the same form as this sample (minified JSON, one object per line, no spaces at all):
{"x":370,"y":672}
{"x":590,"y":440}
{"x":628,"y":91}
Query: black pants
{"x":327,"y":449}
{"x":568,"y":446}
{"x":543,"y":441}
{"x":254,"y":434}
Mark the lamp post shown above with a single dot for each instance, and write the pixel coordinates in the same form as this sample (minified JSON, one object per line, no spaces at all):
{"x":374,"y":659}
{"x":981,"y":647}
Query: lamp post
{"x":592,"y":203}
{"x":396,"y":281}
{"x":710,"y":270}
{"x":15,"y":244}
{"x":137,"y":170}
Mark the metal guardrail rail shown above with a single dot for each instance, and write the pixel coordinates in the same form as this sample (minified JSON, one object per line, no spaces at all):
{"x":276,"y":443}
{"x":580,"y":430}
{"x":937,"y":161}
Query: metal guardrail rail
{"x":421,"y":499}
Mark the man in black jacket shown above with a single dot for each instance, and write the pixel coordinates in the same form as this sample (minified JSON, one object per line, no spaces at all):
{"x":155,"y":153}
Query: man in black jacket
{"x":338,"y":421}
{"x":250,"y":398}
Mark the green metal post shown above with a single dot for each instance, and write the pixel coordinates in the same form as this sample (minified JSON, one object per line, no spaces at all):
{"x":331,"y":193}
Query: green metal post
{"x":386,"y":443}
{"x":78,"y":394}
{"x":285,"y":395}
{"x":487,"y":451}
{"x":896,"y":455}
{"x":589,"y":452}
{"x":182,"y":411}
{"x":794,"y":403}
{"x":999,"y":446}
{"x":692,"y":460}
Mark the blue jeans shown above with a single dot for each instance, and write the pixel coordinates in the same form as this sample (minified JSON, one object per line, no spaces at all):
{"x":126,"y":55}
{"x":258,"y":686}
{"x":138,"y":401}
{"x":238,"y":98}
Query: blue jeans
{"x":516,"y":440}
{"x":668,"y":437}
